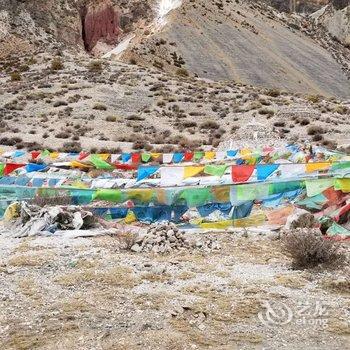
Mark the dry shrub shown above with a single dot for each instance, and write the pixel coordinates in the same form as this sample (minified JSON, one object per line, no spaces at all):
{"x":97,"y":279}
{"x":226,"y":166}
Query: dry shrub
{"x":313,"y":98}
{"x":15,"y":76}
{"x":273,"y":93}
{"x":308,"y":249}
{"x":56,"y":64}
{"x":209,"y":125}
{"x":182,"y":72}
{"x":95,"y":67}
{"x":315,"y":129}
{"x":126,"y":239}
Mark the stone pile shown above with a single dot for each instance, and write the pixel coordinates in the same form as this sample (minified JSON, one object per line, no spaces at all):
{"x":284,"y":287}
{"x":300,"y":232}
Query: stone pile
{"x":301,"y":231}
{"x":166,"y":237}
{"x":161,"y":238}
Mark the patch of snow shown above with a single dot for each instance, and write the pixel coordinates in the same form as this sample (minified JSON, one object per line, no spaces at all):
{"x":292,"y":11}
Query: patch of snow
{"x":164,"y":7}
{"x":120,"y":48}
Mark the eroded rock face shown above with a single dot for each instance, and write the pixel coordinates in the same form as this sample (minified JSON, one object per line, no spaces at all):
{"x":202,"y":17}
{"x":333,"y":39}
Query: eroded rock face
{"x":100,"y":24}
{"x":298,"y":5}
{"x":340,"y":4}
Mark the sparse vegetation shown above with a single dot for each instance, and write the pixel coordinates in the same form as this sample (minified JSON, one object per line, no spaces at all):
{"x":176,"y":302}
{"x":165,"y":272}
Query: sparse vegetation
{"x":57,"y":64}
{"x":273,"y":93}
{"x":99,"y":107}
{"x":209,"y":125}
{"x":95,"y":67}
{"x":314,"y":129}
{"x":111,"y":118}
{"x":308,"y":249}
{"x":182,"y":72}
{"x":15,"y":76}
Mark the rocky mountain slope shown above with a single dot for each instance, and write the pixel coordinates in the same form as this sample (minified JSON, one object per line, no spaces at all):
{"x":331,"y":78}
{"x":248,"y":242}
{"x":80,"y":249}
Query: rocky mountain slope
{"x":336,"y":21}
{"x":26,"y":25}
{"x":92,"y":105}
{"x":245,"y":41}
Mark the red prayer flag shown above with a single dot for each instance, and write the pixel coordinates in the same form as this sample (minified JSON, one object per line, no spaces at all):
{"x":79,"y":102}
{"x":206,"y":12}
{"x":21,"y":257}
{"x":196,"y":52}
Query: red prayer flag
{"x":188,"y":156}
{"x":35,"y":154}
{"x":136,"y":157}
{"x":125,"y":166}
{"x":333,"y":196}
{"x":241,"y":173}
{"x":10,"y":167}
{"x":83,"y":155}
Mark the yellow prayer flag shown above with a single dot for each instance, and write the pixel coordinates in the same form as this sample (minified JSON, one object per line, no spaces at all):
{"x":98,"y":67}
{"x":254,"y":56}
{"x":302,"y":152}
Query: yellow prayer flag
{"x":192,"y":171}
{"x":104,"y":156}
{"x":155,"y":155}
{"x":54,"y":155}
{"x":342,"y":185}
{"x":209,"y":155}
{"x":76,"y":164}
{"x":130,"y":217}
{"x":79,"y":184}
{"x":221,"y":225}
{"x":311,"y":167}
{"x":245,"y":153}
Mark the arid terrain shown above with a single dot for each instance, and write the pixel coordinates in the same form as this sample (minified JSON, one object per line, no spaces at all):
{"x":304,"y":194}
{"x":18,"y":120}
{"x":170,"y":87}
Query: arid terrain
{"x":85,"y":293}
{"x":112,"y":76}
{"x":130,"y":107}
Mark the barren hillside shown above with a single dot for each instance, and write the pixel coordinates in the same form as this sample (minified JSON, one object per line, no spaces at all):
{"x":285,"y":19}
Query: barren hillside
{"x":245,"y":42}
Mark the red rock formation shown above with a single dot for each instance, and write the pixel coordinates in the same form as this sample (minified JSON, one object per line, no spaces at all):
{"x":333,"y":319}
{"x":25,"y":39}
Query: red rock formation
{"x":100,"y":23}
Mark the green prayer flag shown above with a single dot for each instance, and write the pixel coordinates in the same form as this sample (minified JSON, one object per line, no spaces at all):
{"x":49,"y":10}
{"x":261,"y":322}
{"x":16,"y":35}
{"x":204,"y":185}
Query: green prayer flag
{"x":99,"y":163}
{"x":315,"y":187}
{"x":145,"y":157}
{"x":2,"y":167}
{"x":194,"y":197}
{"x":339,"y":166}
{"x":215,"y":170}
{"x":281,"y":187}
{"x":198,"y":155}
{"x":110,"y":195}
{"x":336,"y":230}
{"x":251,"y":192}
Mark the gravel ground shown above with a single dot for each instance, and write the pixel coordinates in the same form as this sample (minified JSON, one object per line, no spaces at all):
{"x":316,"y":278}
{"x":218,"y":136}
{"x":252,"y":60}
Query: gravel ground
{"x":87,"y":293}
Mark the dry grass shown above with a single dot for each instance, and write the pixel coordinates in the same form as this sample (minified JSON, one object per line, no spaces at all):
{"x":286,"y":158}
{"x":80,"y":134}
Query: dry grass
{"x":36,"y":259}
{"x":185,"y":275}
{"x":340,"y":285}
{"x":153,"y":301}
{"x":119,"y":276}
{"x":291,"y":281}
{"x":154,"y":277}
{"x":29,"y":288}
{"x":338,"y":326}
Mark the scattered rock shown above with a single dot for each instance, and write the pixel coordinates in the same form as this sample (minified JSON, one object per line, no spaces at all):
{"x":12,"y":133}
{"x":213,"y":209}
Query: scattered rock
{"x":166,"y":237}
{"x":300,"y":219}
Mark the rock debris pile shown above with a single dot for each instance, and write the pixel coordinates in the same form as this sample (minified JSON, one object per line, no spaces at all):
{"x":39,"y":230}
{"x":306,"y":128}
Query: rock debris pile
{"x":166,"y":237}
